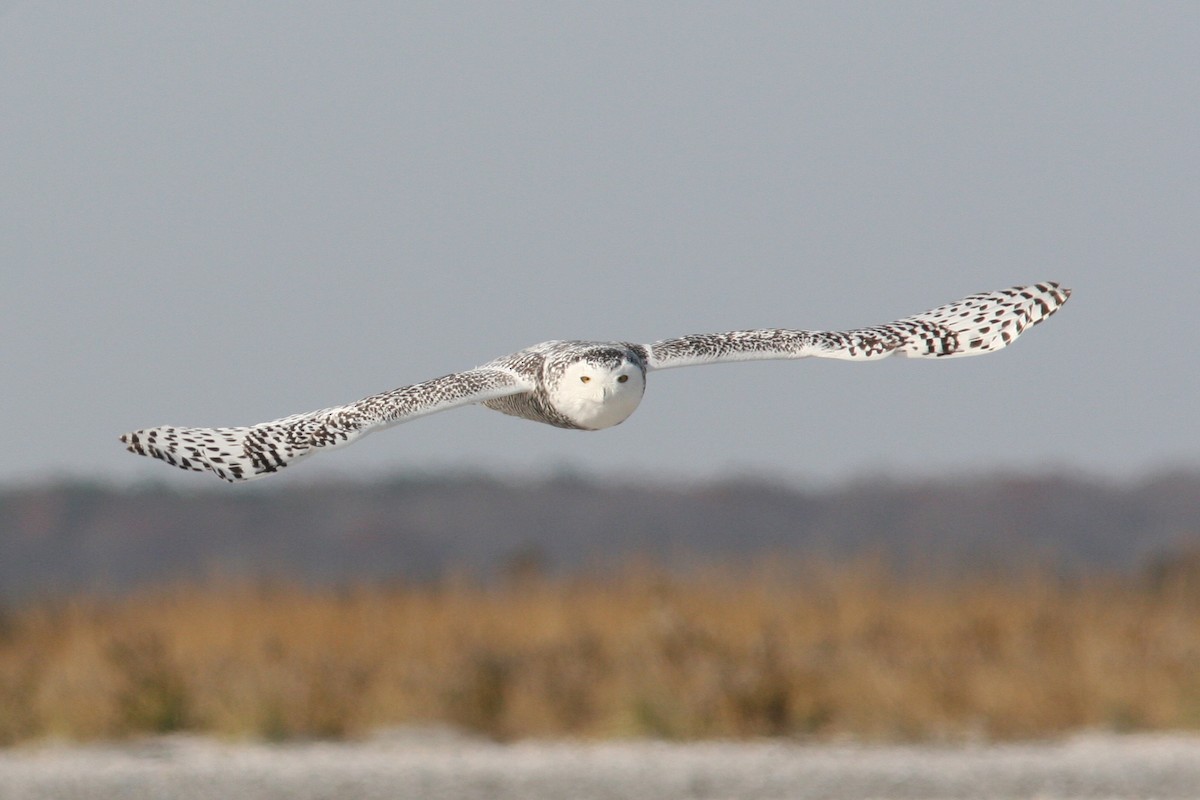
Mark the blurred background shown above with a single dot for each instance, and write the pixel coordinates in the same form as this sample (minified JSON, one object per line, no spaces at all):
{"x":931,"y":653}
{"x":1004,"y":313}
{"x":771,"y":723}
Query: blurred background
{"x":218,"y":215}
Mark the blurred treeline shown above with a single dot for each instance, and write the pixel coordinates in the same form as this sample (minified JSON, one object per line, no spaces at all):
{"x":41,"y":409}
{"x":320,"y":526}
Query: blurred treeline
{"x":72,"y":536}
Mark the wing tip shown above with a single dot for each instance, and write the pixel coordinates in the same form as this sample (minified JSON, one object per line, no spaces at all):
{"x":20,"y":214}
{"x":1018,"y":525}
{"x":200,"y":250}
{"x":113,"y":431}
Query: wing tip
{"x":192,"y":449}
{"x":1056,"y":288}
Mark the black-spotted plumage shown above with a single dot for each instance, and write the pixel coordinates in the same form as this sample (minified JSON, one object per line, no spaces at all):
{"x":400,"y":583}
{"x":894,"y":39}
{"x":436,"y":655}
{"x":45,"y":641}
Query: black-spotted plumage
{"x":592,"y":385}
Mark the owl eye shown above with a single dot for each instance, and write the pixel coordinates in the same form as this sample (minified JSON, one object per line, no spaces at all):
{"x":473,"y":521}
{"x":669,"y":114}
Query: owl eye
{"x":622,"y":379}
{"x":585,"y":378}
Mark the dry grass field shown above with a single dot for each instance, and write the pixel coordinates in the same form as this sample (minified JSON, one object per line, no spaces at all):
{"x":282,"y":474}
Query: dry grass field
{"x":781,"y":649}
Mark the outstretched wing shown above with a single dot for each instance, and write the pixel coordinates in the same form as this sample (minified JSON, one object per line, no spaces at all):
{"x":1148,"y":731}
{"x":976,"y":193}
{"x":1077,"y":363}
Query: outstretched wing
{"x":244,"y":454}
{"x":977,"y":324}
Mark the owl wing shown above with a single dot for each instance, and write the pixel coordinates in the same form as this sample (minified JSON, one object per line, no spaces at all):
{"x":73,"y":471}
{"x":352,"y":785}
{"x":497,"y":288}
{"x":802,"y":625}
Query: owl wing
{"x":244,"y":454}
{"x":981,"y":323}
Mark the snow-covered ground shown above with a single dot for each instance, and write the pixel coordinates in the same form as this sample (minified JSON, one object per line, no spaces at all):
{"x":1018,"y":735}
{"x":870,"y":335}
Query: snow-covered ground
{"x":440,"y":766}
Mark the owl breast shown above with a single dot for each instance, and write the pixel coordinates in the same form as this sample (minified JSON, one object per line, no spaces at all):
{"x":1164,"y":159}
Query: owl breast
{"x":532,"y":406}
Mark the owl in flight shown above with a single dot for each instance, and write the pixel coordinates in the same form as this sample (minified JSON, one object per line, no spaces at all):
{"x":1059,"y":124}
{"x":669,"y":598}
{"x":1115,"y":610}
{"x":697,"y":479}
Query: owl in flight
{"x":592,"y":385}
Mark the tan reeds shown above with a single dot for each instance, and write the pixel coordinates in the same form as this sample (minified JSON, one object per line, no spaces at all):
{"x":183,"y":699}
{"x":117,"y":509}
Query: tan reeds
{"x":777,"y":650}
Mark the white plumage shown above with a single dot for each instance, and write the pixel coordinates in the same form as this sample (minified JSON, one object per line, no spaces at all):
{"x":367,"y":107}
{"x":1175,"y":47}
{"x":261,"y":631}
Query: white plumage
{"x":593,"y":385}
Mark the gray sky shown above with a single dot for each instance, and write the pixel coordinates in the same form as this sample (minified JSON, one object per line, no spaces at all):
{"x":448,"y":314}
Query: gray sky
{"x":220,"y":213}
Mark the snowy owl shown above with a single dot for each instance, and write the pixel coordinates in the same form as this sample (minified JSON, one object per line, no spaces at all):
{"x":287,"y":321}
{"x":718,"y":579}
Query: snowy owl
{"x":592,"y":385}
